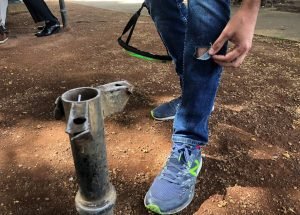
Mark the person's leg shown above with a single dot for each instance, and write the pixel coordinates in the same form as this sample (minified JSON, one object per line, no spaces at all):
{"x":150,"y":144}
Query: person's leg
{"x":170,"y":17}
{"x":174,"y":188}
{"x":39,"y":11}
{"x":3,"y":9}
{"x":201,"y":77}
{"x":3,"y":30}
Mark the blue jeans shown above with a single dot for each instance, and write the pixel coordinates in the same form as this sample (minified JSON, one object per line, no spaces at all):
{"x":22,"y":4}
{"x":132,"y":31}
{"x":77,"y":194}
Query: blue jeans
{"x":184,"y":30}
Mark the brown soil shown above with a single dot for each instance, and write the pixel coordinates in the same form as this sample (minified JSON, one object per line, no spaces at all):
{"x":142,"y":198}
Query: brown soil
{"x":252,"y":161}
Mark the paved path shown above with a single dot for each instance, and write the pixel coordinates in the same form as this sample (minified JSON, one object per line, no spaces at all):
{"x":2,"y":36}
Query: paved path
{"x":272,"y":23}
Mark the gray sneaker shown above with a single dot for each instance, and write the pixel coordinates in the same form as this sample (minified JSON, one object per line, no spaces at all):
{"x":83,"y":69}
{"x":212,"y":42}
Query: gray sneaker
{"x":173,"y":189}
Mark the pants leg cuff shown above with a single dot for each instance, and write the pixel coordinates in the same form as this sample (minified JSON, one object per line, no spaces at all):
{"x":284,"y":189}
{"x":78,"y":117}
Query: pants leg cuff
{"x":186,"y":140}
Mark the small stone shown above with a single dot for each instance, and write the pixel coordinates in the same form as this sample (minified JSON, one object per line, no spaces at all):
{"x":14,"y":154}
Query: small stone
{"x":145,"y":151}
{"x":222,"y":204}
{"x":286,"y":154}
{"x":10,"y":82}
{"x":47,"y":199}
{"x":253,"y":139}
{"x":71,"y":179}
{"x":20,"y":165}
{"x":38,"y":126}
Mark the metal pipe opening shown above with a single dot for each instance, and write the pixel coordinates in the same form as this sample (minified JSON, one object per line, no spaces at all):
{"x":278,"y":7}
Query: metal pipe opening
{"x":84,"y":93}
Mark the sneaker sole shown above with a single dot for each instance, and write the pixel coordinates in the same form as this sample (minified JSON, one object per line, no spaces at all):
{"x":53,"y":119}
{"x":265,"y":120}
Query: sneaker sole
{"x":162,"y":119}
{"x":154,"y":208}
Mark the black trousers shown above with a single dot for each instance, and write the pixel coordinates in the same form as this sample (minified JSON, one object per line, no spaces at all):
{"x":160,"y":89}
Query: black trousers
{"x":39,"y":11}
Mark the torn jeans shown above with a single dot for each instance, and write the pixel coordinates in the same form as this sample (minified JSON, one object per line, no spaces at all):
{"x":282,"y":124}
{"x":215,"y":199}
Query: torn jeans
{"x":185,"y":29}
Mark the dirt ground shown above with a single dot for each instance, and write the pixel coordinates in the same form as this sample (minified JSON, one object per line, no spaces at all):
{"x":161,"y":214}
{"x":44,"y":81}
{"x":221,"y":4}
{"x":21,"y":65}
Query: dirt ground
{"x":251,"y":165}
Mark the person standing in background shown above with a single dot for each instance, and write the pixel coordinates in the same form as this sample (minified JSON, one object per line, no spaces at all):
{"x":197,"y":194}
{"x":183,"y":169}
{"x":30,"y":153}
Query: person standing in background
{"x":3,"y":30}
{"x":41,"y":13}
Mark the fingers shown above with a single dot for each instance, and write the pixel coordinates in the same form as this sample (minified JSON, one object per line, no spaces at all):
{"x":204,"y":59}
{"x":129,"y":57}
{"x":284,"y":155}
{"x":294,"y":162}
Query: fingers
{"x":230,"y":56}
{"x":235,"y":63}
{"x":235,"y":57}
{"x":219,"y":43}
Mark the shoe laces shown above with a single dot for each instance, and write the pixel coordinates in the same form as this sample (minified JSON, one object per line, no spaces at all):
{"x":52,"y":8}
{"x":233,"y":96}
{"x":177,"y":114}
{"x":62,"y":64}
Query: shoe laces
{"x":179,"y":163}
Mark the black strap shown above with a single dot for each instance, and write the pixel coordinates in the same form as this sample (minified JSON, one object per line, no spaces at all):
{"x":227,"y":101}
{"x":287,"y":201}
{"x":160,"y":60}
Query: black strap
{"x":130,"y":26}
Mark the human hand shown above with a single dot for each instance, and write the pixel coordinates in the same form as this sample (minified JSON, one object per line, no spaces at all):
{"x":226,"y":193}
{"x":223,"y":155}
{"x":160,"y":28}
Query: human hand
{"x":239,"y":31}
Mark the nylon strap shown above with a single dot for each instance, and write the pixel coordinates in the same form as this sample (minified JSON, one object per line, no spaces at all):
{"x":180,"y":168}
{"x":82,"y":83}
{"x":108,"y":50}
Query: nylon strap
{"x":134,"y":51}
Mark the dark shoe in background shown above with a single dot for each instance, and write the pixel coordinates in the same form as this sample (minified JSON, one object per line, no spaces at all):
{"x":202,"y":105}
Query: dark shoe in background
{"x":166,"y":111}
{"x":49,"y":29}
{"x":3,"y":34}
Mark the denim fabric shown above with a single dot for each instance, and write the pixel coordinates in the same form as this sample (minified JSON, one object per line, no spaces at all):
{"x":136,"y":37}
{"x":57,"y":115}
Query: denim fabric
{"x":183,"y":31}
{"x":170,"y":17}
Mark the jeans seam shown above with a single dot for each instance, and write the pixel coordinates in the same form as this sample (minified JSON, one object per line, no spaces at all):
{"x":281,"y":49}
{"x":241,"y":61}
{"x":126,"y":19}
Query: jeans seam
{"x":183,"y":51}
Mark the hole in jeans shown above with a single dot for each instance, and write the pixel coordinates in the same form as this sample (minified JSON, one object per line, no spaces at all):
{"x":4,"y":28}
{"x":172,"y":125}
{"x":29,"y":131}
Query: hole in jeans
{"x":202,"y":54}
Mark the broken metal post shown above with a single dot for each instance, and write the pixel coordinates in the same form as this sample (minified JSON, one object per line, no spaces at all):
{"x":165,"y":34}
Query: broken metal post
{"x":85,"y":109}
